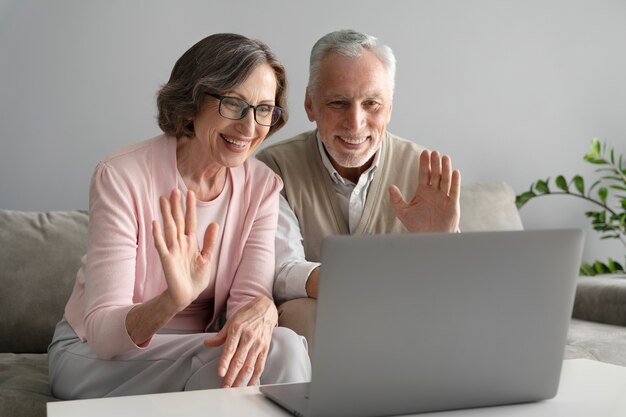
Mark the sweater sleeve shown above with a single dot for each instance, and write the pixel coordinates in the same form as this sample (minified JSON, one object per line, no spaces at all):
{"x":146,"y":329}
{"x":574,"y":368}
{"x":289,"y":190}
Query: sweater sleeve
{"x":255,"y":273}
{"x":111,"y":261}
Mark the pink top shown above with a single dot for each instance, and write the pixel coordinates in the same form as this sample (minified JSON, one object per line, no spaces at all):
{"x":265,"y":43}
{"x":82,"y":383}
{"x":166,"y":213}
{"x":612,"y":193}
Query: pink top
{"x":122,"y":267}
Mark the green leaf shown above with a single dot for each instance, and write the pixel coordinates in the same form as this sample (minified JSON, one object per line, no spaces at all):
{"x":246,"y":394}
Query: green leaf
{"x":523,"y":198}
{"x":602,"y":193}
{"x":596,"y":145}
{"x":587,"y":270}
{"x":617,"y":187}
{"x":542,"y":186}
{"x":611,"y":265}
{"x":612,"y":156}
{"x":579,"y":183}
{"x":594,"y":150}
{"x":562,"y":183}
{"x":595,"y":161}
{"x":600,"y":268}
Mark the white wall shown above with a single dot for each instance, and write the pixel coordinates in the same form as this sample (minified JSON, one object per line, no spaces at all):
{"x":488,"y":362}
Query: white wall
{"x":513,"y":90}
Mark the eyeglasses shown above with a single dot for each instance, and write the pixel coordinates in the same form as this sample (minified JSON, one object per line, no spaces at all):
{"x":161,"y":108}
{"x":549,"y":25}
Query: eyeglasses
{"x":234,"y":108}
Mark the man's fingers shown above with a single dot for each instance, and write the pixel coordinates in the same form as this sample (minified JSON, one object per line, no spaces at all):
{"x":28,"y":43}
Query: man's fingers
{"x":423,"y":176}
{"x":435,"y":169}
{"x":455,"y":185}
{"x":446,"y":174}
{"x":396,"y":197}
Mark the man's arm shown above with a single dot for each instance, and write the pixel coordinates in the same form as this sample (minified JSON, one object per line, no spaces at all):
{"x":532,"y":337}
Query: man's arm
{"x":292,"y":268}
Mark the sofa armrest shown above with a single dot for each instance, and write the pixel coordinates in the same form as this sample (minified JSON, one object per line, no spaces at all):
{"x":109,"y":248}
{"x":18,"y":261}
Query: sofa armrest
{"x":601,"y":299}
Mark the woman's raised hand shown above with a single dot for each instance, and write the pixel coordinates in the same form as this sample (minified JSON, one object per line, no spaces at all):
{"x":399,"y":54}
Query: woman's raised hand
{"x":187,"y":269}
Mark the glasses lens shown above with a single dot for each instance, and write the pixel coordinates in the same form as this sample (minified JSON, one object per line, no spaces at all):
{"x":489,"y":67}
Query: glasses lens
{"x":265,"y":114}
{"x":276,"y":115}
{"x":232,"y":107}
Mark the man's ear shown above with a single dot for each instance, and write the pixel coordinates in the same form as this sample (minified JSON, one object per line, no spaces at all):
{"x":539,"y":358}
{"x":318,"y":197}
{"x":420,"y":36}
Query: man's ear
{"x":308,"y":106}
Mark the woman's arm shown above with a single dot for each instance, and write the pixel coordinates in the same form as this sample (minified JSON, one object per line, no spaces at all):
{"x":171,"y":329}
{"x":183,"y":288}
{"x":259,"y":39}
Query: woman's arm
{"x":113,"y":320}
{"x":187,"y":269}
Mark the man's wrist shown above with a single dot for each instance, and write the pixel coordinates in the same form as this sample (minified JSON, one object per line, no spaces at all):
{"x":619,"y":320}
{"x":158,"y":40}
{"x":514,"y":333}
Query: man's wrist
{"x":312,"y":283}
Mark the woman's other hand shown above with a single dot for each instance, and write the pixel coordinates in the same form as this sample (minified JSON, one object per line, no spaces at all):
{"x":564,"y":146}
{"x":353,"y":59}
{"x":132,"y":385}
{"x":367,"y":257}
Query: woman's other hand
{"x":246,"y":338}
{"x":187,"y":269}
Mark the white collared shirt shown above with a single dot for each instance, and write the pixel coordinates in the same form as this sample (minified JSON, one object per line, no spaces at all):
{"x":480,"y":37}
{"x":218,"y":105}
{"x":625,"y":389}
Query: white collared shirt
{"x":292,"y":268}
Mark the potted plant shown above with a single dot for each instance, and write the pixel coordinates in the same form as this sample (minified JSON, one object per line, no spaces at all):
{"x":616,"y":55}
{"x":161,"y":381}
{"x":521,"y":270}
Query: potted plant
{"x":608,"y":194}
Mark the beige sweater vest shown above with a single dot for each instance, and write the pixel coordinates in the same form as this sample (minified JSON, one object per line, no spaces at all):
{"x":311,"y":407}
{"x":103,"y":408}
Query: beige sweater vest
{"x":310,"y":192}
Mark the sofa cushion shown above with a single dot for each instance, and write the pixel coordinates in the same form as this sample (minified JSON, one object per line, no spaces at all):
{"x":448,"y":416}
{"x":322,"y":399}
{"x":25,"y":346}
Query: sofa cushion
{"x":489,"y":206}
{"x":24,"y":388}
{"x":40,"y":256}
{"x":602,"y":299}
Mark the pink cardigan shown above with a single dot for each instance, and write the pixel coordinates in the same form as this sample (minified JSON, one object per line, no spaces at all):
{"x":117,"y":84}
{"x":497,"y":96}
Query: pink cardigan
{"x":122,"y":267}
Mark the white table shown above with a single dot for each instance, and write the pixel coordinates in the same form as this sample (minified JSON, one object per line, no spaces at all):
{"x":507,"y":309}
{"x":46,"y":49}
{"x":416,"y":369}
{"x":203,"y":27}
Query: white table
{"x":588,"y":388}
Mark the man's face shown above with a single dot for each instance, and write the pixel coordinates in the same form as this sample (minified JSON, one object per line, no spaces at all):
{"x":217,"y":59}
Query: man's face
{"x":351,"y":105}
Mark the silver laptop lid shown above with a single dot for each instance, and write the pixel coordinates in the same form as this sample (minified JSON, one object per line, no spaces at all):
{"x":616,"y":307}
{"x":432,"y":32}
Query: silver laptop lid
{"x":423,"y":322}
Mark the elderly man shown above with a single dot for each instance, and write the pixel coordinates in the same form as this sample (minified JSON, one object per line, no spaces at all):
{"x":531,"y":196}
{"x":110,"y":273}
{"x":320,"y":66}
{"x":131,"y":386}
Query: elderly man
{"x":350,"y":176}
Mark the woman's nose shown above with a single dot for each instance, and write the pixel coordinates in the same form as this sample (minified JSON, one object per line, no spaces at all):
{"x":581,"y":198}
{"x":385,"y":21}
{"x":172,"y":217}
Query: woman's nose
{"x":247,"y":124}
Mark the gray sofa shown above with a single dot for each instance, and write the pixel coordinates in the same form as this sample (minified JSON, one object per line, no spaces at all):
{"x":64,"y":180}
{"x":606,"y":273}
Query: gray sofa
{"x":40,"y":254}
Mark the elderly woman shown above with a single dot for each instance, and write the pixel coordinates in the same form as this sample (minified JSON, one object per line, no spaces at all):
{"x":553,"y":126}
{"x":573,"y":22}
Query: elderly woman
{"x":181,"y":243}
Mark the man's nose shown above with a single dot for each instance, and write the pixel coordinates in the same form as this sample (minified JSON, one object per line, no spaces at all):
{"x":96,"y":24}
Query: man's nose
{"x":355,"y":118}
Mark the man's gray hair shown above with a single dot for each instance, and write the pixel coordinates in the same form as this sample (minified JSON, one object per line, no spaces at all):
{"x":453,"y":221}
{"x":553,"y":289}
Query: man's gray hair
{"x":350,"y":43}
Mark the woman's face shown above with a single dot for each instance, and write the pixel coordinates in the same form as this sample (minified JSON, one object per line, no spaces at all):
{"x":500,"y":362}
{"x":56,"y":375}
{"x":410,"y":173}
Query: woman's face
{"x":230,"y":142}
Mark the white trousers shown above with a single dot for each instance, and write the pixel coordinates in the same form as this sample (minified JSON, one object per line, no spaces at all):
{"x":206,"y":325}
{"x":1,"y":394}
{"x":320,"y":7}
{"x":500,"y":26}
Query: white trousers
{"x":172,"y":362}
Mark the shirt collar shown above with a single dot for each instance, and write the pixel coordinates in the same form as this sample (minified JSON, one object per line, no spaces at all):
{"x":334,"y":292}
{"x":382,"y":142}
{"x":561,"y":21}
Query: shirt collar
{"x":334,"y":175}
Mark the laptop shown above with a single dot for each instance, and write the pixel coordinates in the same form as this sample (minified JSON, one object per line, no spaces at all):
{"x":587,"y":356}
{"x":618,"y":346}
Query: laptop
{"x":415,"y":323}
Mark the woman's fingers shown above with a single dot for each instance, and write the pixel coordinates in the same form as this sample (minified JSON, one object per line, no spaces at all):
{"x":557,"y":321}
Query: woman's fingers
{"x":244,"y":362}
{"x":248,"y":363}
{"x":231,"y":345}
{"x":177,"y":213}
{"x":209,"y":241}
{"x":259,"y":366}
{"x":191,"y":223}
{"x":169,"y":226}
{"x":233,"y":357}
{"x":179,"y":223}
{"x":159,"y":242}
{"x":246,"y":338}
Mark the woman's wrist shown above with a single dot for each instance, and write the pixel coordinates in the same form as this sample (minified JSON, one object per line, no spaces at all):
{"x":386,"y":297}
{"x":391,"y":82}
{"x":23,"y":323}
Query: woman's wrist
{"x":169,"y":304}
